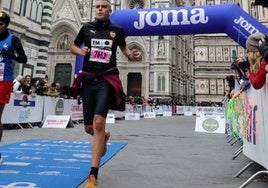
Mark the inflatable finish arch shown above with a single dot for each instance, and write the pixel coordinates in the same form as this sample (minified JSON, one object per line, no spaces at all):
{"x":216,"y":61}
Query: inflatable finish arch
{"x":227,"y":18}
{"x":224,"y":18}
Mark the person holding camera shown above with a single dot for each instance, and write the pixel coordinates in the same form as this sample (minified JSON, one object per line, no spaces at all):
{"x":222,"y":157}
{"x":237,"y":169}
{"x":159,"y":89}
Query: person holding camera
{"x":9,"y":44}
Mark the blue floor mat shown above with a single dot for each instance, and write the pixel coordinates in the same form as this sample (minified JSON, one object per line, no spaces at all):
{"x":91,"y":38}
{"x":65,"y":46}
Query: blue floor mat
{"x":38,"y":163}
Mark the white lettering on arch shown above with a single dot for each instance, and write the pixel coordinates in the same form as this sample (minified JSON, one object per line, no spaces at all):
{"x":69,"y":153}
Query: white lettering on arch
{"x":195,"y":16}
{"x":246,"y":25}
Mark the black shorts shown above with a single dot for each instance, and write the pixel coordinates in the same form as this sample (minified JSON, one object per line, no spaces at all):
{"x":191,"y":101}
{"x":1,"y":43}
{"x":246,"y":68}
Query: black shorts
{"x":96,"y":98}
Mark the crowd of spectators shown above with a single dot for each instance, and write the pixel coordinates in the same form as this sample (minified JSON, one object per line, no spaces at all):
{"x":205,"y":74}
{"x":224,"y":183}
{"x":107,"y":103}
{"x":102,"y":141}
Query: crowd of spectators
{"x":156,"y":101}
{"x":40,"y":86}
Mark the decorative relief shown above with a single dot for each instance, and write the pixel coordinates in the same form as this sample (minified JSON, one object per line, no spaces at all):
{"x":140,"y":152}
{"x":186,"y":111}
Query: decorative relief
{"x":201,"y":53}
{"x":226,"y":54}
{"x":161,"y":51}
{"x":201,"y":86}
{"x":136,"y":4}
{"x":220,"y":88}
{"x":219,"y":53}
{"x":65,"y":12}
{"x":213,"y":86}
{"x":212,"y":54}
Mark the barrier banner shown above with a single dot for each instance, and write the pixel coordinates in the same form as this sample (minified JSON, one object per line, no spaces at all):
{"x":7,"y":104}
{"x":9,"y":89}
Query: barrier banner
{"x":132,"y":116}
{"x":57,"y":121}
{"x":255,"y":130}
{"x":23,"y":109}
{"x":72,"y":108}
{"x":210,"y":123}
{"x":246,"y":115}
{"x":149,"y":115}
{"x":110,"y":118}
{"x":202,"y":110}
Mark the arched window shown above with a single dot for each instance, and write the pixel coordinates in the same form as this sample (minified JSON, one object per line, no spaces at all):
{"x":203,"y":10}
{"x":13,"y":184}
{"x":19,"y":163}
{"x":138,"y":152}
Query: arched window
{"x":17,"y":7}
{"x":161,"y":83}
{"x":27,"y":8}
{"x":34,"y":10}
{"x":39,"y":13}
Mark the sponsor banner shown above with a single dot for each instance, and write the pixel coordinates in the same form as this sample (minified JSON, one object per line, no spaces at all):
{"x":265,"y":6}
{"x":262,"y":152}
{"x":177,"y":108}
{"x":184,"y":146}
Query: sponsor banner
{"x":132,"y":116}
{"x":110,"y":118}
{"x":73,"y":109}
{"x":23,"y":109}
{"x":249,"y":120}
{"x":167,"y":113}
{"x":188,"y":113}
{"x":54,"y":106}
{"x":57,"y":121}
{"x":149,"y":115}
{"x":118,"y":114}
{"x":247,"y":116}
{"x":210,"y":124}
{"x":209,"y":110}
{"x":158,"y":109}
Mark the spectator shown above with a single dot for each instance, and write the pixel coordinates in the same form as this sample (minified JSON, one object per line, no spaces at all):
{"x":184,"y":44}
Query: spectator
{"x":52,"y":91}
{"x":32,"y":91}
{"x":231,"y":84}
{"x":58,"y":87}
{"x":258,"y":65}
{"x":66,"y":92}
{"x":25,"y":86}
{"x":28,"y":79}
{"x":42,"y":87}
{"x":17,"y":84}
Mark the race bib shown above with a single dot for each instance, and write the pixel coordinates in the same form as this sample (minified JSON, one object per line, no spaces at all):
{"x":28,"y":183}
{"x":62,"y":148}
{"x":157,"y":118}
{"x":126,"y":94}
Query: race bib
{"x":2,"y":70}
{"x":100,"y":55}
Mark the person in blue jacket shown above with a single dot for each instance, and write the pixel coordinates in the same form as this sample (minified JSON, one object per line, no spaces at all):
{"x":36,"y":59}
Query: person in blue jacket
{"x":9,"y":44}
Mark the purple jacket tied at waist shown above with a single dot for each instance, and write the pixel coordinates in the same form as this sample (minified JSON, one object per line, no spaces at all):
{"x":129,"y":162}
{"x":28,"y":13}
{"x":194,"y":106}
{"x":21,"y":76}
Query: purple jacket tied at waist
{"x":113,"y":79}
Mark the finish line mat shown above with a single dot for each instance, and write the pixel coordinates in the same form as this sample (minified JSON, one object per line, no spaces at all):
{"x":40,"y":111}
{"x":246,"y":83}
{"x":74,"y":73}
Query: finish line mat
{"x":39,"y":163}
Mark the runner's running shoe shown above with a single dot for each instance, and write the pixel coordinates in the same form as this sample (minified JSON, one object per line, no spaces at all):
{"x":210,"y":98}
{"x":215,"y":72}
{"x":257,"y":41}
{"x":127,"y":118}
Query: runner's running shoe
{"x":107,"y":137}
{"x":91,"y":182}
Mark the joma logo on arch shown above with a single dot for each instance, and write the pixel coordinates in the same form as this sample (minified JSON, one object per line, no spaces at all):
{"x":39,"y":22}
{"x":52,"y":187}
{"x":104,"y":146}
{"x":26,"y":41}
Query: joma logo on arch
{"x":156,"y":18}
{"x":246,"y":25}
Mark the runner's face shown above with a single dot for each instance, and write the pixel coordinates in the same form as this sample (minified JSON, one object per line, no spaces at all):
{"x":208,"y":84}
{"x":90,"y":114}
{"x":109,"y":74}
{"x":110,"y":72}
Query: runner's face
{"x":3,"y":27}
{"x":102,"y":10}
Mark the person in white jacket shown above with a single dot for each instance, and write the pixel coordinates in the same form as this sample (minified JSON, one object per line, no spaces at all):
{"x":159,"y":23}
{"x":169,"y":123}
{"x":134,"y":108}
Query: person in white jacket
{"x":17,"y":84}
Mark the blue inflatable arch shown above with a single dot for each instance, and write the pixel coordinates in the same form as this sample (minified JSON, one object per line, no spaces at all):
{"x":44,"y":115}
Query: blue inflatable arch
{"x":224,"y":18}
{"x":227,"y":18}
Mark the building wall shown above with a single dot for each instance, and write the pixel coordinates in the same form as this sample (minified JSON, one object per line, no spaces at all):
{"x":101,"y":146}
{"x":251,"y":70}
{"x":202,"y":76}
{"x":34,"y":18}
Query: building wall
{"x":30,"y":20}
